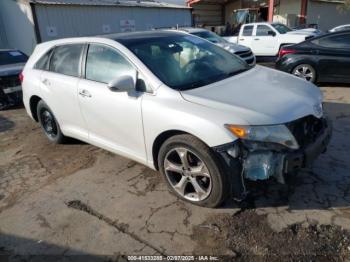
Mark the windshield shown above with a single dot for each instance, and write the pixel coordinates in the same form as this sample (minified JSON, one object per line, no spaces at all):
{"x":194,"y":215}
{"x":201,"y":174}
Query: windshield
{"x":12,"y":57}
{"x":184,"y":61}
{"x":214,"y":38}
{"x":282,"y":29}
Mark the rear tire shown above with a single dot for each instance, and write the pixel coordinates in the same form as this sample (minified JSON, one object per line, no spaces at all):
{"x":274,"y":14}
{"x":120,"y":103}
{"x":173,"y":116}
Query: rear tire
{"x":306,"y":72}
{"x":192,"y":171}
{"x":49,"y":123}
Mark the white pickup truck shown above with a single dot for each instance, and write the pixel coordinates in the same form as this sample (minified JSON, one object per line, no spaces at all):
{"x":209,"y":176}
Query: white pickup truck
{"x":266,"y":39}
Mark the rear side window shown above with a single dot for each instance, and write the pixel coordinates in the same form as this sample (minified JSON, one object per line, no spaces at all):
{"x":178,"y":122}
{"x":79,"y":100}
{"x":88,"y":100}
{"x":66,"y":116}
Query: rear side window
{"x":248,"y":30}
{"x":262,"y":30}
{"x":66,"y":60}
{"x":335,"y":41}
{"x":43,"y":63}
{"x":103,"y":64}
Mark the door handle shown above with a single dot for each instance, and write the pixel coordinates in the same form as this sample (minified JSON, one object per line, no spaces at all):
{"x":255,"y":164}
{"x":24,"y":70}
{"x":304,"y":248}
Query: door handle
{"x":46,"y":82}
{"x":256,"y":39}
{"x":242,"y":39}
{"x":85,"y":93}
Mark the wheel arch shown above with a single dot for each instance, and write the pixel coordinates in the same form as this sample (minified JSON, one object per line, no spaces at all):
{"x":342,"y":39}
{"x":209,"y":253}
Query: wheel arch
{"x":161,"y":138}
{"x":33,"y":103}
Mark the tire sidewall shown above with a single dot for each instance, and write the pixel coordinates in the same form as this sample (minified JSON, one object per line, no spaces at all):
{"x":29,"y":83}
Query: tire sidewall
{"x":219,"y":182}
{"x":59,"y":137}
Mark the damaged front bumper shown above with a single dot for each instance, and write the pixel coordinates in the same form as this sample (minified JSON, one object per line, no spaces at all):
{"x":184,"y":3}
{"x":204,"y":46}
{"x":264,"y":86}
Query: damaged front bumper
{"x":261,"y":161}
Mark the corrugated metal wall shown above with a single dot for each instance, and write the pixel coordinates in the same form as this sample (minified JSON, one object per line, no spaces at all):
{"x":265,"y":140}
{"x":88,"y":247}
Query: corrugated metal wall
{"x":70,"y":21}
{"x":18,"y":23}
{"x":208,"y":14}
{"x":3,"y":38}
{"x":326,"y":15}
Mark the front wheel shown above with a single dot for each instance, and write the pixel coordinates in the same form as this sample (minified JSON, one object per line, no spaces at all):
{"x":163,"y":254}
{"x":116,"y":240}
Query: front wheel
{"x":306,"y":72}
{"x":192,"y":171}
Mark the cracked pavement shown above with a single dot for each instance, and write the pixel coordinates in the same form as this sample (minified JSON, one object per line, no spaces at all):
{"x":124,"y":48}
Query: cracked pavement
{"x":78,"y":199}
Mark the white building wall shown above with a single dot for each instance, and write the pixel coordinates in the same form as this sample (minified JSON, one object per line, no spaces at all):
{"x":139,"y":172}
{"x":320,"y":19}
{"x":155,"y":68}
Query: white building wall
{"x":71,"y":21}
{"x":18,"y":23}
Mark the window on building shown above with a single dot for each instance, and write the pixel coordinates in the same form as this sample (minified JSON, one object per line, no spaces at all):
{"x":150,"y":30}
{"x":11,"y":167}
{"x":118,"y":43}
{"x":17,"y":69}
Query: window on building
{"x":66,"y":59}
{"x":103,"y":64}
{"x":248,"y":30}
{"x":336,"y":41}
{"x":263,"y":30}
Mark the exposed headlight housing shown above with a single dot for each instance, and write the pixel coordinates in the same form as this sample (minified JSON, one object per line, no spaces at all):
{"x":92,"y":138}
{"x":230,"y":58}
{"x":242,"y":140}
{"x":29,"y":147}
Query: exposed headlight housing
{"x":279,"y":134}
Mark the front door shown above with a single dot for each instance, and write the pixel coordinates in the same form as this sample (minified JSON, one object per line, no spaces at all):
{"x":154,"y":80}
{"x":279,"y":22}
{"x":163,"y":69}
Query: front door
{"x":264,"y":43}
{"x":114,"y":118}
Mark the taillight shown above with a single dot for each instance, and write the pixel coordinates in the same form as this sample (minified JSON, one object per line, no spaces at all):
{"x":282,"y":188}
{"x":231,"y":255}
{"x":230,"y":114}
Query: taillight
{"x":21,"y":77}
{"x":284,"y":52}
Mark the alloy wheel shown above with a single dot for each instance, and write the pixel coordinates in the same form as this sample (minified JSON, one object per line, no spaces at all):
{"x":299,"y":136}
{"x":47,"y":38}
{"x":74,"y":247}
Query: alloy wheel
{"x":305,"y":72}
{"x":187,"y":174}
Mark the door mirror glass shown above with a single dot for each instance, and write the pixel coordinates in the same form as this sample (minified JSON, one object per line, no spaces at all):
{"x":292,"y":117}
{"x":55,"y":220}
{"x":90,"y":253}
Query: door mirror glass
{"x":122,"y":84}
{"x":271,"y":33}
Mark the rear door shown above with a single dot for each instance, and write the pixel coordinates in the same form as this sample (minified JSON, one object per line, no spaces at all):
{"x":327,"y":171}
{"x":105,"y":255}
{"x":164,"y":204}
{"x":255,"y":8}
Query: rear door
{"x":246,"y":36}
{"x":334,"y":57}
{"x":59,"y":89}
{"x":264,"y":44}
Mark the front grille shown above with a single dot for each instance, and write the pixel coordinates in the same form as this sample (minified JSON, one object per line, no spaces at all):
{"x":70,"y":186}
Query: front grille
{"x":307,"y":129}
{"x":250,"y":61}
{"x":10,"y":97}
{"x":244,"y":54}
{"x":9,"y":81}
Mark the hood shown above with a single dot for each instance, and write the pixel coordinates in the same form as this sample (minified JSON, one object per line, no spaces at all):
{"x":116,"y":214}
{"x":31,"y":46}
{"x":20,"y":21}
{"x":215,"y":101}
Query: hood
{"x":11,"y":69}
{"x":306,"y":31}
{"x":233,"y":48}
{"x":260,"y":96}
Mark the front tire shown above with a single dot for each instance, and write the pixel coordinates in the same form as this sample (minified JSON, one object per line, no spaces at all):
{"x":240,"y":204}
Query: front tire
{"x":49,"y":124}
{"x":306,"y":72}
{"x":192,"y":171}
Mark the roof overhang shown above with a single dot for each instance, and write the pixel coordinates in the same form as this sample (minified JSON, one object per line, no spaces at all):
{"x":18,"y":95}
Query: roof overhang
{"x":115,"y":3}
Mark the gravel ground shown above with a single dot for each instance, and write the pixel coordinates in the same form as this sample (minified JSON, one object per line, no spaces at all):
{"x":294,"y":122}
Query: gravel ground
{"x":76,"y":199}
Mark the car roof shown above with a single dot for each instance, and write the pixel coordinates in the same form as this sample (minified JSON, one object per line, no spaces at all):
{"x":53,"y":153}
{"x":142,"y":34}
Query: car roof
{"x":330,"y":33}
{"x":192,"y":29}
{"x":264,"y":23}
{"x":142,"y":35}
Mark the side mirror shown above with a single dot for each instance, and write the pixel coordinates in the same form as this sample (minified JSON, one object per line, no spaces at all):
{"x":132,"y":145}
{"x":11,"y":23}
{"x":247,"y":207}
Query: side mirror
{"x":122,"y":84}
{"x":273,"y":33}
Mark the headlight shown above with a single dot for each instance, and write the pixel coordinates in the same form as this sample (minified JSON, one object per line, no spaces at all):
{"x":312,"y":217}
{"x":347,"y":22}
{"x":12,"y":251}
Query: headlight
{"x":279,"y":134}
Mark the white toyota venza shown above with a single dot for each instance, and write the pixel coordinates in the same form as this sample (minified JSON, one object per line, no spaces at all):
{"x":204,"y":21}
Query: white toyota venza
{"x":178,"y":104}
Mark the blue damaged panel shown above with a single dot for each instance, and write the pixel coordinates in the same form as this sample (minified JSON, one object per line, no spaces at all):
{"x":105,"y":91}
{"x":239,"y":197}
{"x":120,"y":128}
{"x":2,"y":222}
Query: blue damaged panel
{"x":263,"y":165}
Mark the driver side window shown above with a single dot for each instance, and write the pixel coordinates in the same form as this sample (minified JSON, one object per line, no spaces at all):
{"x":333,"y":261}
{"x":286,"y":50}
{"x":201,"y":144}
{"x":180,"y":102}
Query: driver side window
{"x":263,"y":30}
{"x":103,"y":64}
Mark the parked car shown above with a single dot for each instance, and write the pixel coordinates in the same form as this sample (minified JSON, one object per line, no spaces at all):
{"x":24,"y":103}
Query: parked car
{"x":206,"y":121}
{"x":242,"y":51}
{"x":322,"y":59}
{"x":266,"y":39}
{"x":11,"y":64}
{"x":340,"y":28}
